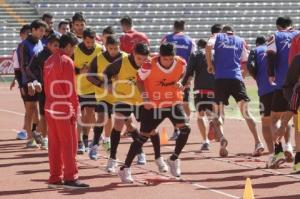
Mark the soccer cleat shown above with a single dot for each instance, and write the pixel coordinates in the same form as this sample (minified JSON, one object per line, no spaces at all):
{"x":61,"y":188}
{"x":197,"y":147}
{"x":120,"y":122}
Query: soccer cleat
{"x":175,"y":135}
{"x":125,"y":175}
{"x":56,"y":185}
{"x":162,"y":166}
{"x":205,"y":147}
{"x":174,"y":167}
{"x":141,"y":159}
{"x":37,"y":137}
{"x":111,"y":165}
{"x":259,"y":149}
{"x":275,"y":160}
{"x":93,"y":153}
{"x":76,"y":184}
{"x":22,"y":135}
{"x":81,"y":149}
{"x":296,"y":168}
{"x":223,"y":149}
{"x":106,"y":146}
{"x":44,"y":144}
{"x":31,"y":144}
{"x":288,"y":153}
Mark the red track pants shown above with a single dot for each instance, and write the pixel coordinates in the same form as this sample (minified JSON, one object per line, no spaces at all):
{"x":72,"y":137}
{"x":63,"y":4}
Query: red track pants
{"x":63,"y":140}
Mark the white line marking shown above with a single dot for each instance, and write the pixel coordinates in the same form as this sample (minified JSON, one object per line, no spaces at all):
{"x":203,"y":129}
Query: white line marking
{"x":215,"y":191}
{"x":12,"y":112}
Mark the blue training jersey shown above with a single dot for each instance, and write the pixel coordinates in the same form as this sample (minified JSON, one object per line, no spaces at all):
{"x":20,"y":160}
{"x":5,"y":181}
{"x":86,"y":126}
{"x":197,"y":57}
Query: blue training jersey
{"x":262,"y":78}
{"x":32,"y":50}
{"x":184,"y":44}
{"x":283,"y":40}
{"x":228,"y":52}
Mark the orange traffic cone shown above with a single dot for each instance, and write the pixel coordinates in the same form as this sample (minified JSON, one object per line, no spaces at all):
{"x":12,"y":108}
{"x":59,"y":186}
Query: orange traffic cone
{"x":248,"y":191}
{"x":164,"y":136}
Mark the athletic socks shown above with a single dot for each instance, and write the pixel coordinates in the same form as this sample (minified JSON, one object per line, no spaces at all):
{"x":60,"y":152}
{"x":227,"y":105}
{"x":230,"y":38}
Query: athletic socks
{"x":134,"y":149}
{"x":134,"y":134}
{"x":278,"y":148}
{"x":97,"y":134}
{"x":156,"y":145}
{"x":181,"y":141}
{"x":34,"y":125}
{"x":85,"y":139}
{"x":115,"y":140}
{"x":297,"y":157}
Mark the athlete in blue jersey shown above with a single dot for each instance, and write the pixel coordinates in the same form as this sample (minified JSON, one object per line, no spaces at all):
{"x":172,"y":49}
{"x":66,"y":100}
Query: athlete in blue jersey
{"x":26,"y":50}
{"x":277,"y":54}
{"x":184,"y":48}
{"x":230,"y":52}
{"x":258,"y":68}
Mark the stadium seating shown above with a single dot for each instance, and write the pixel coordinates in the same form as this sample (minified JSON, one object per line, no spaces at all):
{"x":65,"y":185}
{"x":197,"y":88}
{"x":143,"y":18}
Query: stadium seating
{"x":249,"y":18}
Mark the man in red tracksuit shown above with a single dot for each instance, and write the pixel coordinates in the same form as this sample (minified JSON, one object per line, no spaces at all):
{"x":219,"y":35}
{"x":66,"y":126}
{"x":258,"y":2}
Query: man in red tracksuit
{"x":60,"y":112}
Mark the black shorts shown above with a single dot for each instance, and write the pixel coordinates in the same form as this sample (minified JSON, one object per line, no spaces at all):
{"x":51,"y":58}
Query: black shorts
{"x":104,"y":107}
{"x":293,"y":98}
{"x":224,"y":88}
{"x":42,"y":99}
{"x":186,"y":95}
{"x":88,"y":100}
{"x":26,"y":97}
{"x":150,"y":119}
{"x":204,"y":102}
{"x":265,"y":104}
{"x":126,"y":110}
{"x":279,"y":102}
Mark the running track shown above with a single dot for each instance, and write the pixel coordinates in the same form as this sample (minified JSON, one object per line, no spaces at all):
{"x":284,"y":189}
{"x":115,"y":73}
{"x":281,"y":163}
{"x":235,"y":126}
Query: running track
{"x":204,"y":175}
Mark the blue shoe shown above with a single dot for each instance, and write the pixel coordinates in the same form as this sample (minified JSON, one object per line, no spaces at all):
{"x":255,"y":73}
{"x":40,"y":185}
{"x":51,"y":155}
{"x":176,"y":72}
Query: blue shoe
{"x":81,"y":149}
{"x":22,"y":135}
{"x":93,"y":153}
{"x":141,"y":159}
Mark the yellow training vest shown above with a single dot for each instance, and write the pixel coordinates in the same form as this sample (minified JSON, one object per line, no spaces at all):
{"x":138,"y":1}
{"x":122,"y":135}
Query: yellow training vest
{"x":124,"y":87}
{"x":100,"y":93}
{"x":84,"y":87}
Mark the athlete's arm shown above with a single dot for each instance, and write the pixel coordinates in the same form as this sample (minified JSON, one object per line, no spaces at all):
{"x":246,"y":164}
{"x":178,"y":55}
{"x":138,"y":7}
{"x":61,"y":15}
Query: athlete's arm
{"x":271,"y":58}
{"x":93,"y":71}
{"x":244,"y":59}
{"x":112,"y":70}
{"x":208,"y":54}
{"x":189,"y":71}
{"x":69,"y":76}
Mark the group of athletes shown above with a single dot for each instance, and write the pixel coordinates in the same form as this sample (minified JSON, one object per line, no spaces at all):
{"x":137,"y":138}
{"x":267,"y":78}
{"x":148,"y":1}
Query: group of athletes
{"x":74,"y":80}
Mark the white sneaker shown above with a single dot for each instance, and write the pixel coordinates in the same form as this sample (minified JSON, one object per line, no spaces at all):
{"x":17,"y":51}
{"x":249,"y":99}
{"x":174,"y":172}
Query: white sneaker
{"x":174,"y":167}
{"x":125,"y":175}
{"x":162,"y":166}
{"x":44,"y":144}
{"x":259,"y":149}
{"x":111,"y":165}
{"x":141,"y":159}
{"x":288,"y":153}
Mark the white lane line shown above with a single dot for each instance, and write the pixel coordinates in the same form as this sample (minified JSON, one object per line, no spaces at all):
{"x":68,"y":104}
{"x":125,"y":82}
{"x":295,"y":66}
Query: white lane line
{"x":12,"y":112}
{"x":215,"y":191}
{"x":180,"y":179}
